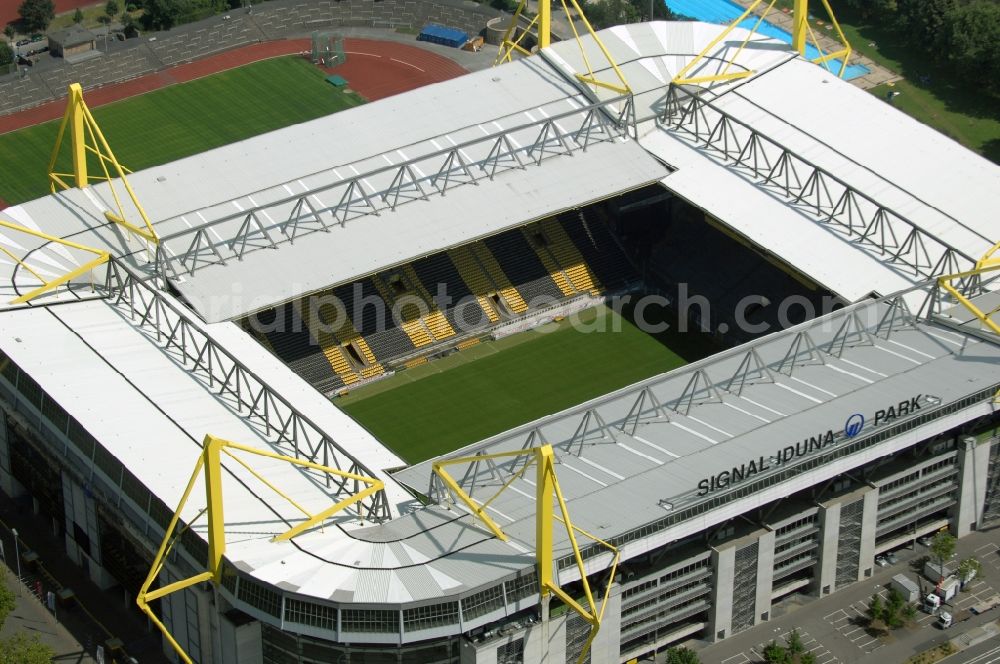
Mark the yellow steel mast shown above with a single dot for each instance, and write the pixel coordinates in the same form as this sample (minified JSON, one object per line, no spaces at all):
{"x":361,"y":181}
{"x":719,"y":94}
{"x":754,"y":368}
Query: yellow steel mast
{"x":86,"y":138}
{"x":546,"y":491}
{"x":542,"y":23}
{"x":801,"y":31}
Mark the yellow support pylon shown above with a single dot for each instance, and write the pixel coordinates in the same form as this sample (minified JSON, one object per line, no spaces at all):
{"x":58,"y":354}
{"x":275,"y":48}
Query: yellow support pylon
{"x":51,"y":284}
{"x":800,"y":32}
{"x":210,"y":460}
{"x":546,"y":490}
{"x":511,"y":43}
{"x":86,"y":138}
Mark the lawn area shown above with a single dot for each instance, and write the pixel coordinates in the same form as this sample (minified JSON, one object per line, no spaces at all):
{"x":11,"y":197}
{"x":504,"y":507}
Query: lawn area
{"x":931,"y":93}
{"x":443,"y":405}
{"x":181,"y":120}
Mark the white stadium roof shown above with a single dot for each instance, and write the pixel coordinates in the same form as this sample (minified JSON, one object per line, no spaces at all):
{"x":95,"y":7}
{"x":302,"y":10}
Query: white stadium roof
{"x":150,"y":410}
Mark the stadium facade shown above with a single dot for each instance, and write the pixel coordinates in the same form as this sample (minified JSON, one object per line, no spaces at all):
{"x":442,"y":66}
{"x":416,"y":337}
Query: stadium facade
{"x":780,"y":465}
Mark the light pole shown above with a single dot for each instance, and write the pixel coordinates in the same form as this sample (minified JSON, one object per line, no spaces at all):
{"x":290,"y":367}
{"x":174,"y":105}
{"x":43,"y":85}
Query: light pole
{"x":17,"y":556}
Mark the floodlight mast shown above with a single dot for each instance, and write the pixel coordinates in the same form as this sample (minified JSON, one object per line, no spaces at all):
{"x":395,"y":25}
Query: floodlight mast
{"x":546,"y":490}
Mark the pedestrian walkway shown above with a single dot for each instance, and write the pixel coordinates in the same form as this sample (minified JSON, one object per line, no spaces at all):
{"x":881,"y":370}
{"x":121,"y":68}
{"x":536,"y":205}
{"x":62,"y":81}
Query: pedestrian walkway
{"x":94,"y":617}
{"x":31,"y":617}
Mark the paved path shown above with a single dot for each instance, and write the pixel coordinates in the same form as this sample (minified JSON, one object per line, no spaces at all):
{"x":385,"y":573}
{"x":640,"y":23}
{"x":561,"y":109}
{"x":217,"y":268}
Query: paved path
{"x":29,"y":616}
{"x":97,"y":614}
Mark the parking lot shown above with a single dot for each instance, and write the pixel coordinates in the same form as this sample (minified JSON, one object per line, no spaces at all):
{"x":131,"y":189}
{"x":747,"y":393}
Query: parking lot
{"x":755,"y":654}
{"x":834,"y":626}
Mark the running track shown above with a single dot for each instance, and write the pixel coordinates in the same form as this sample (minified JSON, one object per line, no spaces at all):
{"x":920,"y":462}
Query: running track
{"x":374,"y":69}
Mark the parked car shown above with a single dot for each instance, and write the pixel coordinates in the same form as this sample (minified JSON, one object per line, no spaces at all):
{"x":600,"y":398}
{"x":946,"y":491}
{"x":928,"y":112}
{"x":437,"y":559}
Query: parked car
{"x":881,"y":561}
{"x":23,"y":42}
{"x":891,"y":557}
{"x":25,"y":62}
{"x":37,"y":38}
{"x":925,"y":540}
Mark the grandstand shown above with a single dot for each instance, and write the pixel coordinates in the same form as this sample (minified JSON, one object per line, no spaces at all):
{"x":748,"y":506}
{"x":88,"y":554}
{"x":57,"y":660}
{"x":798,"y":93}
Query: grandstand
{"x":331,"y":254}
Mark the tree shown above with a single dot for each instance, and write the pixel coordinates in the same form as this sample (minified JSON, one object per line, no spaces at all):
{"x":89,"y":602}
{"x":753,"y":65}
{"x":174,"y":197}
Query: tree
{"x":924,"y":21}
{"x":607,"y":13}
{"x":969,"y":569}
{"x":6,"y":56}
{"x":775,"y":654}
{"x":942,"y":548}
{"x":160,"y":14}
{"x":682,"y":656}
{"x":893,"y":614}
{"x":36,"y":14}
{"x":10,"y":31}
{"x":795,"y":646}
{"x":78,"y":16}
{"x":807,"y":658}
{"x":972,"y":41}
{"x":876,"y":610}
{"x":21,"y":649}
{"x":8,"y":601}
{"x":112,"y":8}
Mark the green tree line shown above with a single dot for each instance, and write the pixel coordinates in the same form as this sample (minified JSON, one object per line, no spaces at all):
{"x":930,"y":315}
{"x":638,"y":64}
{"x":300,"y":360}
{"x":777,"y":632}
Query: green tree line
{"x":965,"y":33}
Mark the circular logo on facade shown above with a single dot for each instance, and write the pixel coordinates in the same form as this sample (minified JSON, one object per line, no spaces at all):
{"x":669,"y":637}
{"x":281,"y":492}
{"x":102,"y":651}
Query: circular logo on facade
{"x":855,"y":423}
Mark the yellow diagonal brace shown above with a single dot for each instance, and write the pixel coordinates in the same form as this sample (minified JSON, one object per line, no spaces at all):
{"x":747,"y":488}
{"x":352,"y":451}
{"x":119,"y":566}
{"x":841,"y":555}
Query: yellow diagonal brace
{"x":52,"y":284}
{"x":82,"y":125}
{"x":210,"y":462}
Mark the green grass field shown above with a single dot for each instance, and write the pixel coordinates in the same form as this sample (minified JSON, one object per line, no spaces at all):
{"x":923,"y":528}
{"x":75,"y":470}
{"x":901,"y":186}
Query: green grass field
{"x":443,"y":405}
{"x":181,"y":120}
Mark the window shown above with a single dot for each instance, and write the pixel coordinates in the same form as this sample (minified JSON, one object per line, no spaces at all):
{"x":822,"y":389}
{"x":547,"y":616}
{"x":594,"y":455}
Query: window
{"x":309,"y":613}
{"x":426,"y":617}
{"x":521,"y":587}
{"x":260,"y":597}
{"x":369,"y":620}
{"x":482,"y":603}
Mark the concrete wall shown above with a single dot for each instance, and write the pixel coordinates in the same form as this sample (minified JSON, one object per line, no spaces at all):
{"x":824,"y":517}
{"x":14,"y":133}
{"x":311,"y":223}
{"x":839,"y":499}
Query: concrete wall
{"x":869,"y":521}
{"x":721,"y":614}
{"x":829,"y":533}
{"x":765,"y":574}
{"x":973,"y":468}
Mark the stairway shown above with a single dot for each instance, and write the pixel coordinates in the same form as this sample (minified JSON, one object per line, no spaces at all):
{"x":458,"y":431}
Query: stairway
{"x":569,"y":257}
{"x":474,"y":277}
{"x":333,"y":341}
{"x":414,"y":327}
{"x":549,"y":261}
{"x":435,"y":320}
{"x":481,"y":254}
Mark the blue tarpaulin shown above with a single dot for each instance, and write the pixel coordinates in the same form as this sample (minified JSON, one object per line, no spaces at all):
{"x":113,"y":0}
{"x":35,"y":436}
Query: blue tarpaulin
{"x":437,"y":34}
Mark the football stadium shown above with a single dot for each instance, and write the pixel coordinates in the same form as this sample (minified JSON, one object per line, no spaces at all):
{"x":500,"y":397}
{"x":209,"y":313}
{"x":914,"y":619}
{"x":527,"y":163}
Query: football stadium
{"x":598,"y":351}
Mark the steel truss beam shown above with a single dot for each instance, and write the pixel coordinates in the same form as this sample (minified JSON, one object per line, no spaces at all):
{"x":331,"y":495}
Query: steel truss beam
{"x":547,"y":491}
{"x":210,"y":461}
{"x":243,"y":391}
{"x":370,"y":193}
{"x":816,"y":192}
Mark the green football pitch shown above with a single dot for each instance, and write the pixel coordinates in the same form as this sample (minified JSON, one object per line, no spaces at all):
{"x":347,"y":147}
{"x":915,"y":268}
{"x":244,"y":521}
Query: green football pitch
{"x":491,"y":387}
{"x":180,"y":120}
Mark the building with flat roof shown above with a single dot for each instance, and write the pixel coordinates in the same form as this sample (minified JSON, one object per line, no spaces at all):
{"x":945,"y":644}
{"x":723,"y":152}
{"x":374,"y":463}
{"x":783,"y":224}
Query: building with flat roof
{"x":779,"y":466}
